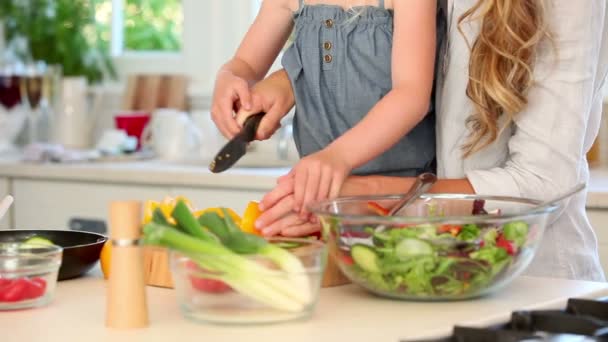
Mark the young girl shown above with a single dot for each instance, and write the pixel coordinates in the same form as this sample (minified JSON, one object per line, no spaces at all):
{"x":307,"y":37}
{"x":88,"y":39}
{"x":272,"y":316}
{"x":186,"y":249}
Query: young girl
{"x":362,"y":75}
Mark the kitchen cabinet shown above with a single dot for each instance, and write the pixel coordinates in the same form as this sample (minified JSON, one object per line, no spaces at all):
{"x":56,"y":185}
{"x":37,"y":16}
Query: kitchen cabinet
{"x":599,"y":221}
{"x":41,"y":204}
{"x":5,"y":222}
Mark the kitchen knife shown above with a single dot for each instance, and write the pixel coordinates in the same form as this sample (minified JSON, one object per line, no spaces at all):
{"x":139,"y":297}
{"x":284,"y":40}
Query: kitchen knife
{"x":237,"y":147}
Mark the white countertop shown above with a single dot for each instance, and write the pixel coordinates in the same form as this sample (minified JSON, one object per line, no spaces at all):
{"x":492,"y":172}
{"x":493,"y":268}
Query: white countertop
{"x":155,"y":172}
{"x":149,"y":172}
{"x":343,"y":313}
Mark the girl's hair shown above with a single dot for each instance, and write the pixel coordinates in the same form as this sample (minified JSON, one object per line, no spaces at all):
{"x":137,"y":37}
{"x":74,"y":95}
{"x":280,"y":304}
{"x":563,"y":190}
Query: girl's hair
{"x":501,"y":64}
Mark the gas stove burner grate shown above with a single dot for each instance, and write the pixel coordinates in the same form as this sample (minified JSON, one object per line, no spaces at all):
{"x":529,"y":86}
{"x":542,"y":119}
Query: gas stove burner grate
{"x":581,"y":320}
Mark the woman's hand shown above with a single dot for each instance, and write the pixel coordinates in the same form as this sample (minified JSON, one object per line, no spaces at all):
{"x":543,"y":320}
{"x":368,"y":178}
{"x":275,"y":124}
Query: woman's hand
{"x":278,"y":216}
{"x":317,"y":177}
{"x":231,"y":93}
{"x":273,"y":96}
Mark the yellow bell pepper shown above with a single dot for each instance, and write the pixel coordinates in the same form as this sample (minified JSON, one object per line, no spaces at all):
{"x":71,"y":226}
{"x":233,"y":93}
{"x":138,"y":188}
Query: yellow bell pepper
{"x":252,"y":212}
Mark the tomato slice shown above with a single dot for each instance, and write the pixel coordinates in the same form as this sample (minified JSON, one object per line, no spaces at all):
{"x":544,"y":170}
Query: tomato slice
{"x":37,"y":288}
{"x":5,"y":282}
{"x":16,"y":291}
{"x":347,"y":260}
{"x":205,"y":284}
{"x":507,"y":245}
{"x":453,"y":229}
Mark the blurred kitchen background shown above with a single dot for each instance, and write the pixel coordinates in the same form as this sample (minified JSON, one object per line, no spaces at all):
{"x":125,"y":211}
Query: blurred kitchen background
{"x":95,"y":80}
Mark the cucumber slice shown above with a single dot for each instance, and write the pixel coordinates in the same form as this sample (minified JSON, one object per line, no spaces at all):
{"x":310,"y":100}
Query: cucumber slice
{"x":37,"y":240}
{"x":413,"y":247}
{"x":365,"y":257}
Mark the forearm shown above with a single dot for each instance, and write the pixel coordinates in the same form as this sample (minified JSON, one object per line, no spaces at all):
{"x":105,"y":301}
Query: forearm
{"x":242,"y":69}
{"x":383,"y":185}
{"x":388,"y":122}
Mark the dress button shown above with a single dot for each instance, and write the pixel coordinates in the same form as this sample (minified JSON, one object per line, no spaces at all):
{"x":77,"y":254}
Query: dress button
{"x":329,"y":23}
{"x":328,"y":58}
{"x":327,"y":46}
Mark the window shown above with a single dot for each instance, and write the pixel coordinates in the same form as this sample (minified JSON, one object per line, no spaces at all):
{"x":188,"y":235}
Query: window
{"x":140,"y":25}
{"x":193,"y":37}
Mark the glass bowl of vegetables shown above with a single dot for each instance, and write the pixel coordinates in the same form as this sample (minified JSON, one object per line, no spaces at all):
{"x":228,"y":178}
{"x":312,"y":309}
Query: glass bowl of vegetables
{"x":225,"y":275}
{"x":28,"y":274}
{"x":280,"y":283}
{"x":442,"y":247}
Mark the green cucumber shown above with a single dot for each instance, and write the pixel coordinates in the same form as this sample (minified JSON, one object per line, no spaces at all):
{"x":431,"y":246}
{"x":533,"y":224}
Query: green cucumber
{"x":365,"y":257}
{"x":413,"y":247}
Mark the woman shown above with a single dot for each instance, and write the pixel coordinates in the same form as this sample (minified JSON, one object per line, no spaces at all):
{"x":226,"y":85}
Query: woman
{"x":519,"y":102}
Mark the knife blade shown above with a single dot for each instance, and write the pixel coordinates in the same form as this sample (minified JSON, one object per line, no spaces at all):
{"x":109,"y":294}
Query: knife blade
{"x":237,"y":146}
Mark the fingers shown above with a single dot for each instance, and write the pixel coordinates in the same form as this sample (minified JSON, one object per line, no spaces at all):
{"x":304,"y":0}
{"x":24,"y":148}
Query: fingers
{"x":243,"y":94}
{"x":299,"y":187}
{"x":285,"y":223}
{"x":311,"y":190}
{"x":272,"y":120}
{"x":278,"y":193}
{"x":221,"y":113}
{"x":267,"y":222}
{"x":336,"y":184}
{"x":233,"y":94}
{"x":324,"y":184}
{"x":303,"y":229}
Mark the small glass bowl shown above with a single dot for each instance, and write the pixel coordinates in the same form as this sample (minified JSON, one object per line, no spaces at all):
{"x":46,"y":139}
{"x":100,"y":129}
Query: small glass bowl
{"x":28,"y":275}
{"x":204,"y":298}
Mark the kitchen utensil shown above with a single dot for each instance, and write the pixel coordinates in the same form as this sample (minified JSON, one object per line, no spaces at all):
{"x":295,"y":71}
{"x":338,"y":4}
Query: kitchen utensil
{"x":204,"y":299}
{"x":127,"y":306}
{"x":80,"y":249}
{"x":409,"y":260}
{"x":172,"y":135}
{"x":5,"y":205}
{"x":237,"y":147}
{"x":28,"y":274}
{"x":421,"y":185}
{"x":156,"y":266}
{"x":153,"y":91}
{"x":133,"y":124}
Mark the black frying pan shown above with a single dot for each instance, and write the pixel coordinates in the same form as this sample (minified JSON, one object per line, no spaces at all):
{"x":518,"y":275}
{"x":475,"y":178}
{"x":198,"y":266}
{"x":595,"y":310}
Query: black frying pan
{"x":81,"y":250}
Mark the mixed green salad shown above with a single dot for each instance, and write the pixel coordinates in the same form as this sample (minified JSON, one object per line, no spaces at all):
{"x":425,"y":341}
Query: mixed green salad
{"x":431,"y":260}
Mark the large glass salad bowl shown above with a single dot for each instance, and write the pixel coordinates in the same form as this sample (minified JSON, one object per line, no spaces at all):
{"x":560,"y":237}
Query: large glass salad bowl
{"x":444,"y":247}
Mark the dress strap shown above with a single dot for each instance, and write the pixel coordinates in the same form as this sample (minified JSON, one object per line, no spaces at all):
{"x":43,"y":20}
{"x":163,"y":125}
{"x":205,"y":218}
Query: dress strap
{"x":300,"y":5}
{"x":381,"y":4}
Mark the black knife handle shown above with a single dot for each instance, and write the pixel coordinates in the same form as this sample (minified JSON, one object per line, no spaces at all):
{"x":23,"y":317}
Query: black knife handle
{"x":250,"y":126}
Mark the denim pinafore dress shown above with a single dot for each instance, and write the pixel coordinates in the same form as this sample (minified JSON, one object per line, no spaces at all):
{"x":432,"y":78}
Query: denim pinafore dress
{"x":340,"y":67}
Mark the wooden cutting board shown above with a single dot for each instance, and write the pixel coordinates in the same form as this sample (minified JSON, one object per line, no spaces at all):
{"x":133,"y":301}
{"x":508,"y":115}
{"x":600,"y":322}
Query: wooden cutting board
{"x":151,"y":91}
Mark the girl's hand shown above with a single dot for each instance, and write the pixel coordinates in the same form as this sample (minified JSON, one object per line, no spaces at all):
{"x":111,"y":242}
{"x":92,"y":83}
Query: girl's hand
{"x":273,"y":96}
{"x":317,"y":177}
{"x":230,"y":94}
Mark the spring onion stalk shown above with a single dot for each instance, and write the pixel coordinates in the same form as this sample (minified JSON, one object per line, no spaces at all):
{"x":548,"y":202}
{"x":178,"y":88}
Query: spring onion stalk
{"x":288,"y":262}
{"x":270,"y":287}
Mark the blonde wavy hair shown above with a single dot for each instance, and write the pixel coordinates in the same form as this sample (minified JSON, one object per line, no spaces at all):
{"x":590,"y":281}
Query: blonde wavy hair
{"x":501,"y":64}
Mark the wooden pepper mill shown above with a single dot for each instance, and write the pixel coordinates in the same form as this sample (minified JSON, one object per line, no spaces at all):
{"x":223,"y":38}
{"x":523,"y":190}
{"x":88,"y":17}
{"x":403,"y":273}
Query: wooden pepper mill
{"x":126,"y":298}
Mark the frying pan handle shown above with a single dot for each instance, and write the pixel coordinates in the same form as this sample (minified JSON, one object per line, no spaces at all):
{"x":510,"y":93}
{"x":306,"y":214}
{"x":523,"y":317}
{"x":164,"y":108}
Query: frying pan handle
{"x":88,"y":225}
